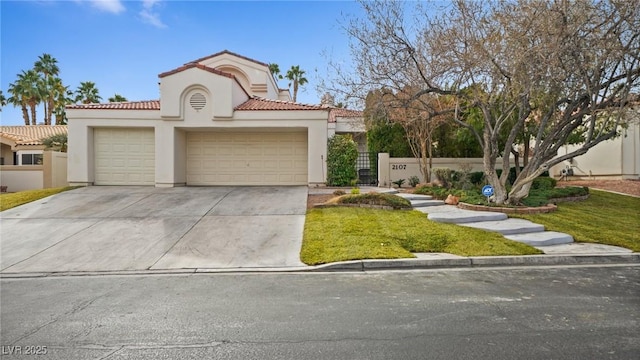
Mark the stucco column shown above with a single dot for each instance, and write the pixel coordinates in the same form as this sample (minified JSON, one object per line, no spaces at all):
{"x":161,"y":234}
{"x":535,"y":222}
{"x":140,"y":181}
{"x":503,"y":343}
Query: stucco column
{"x":384,"y":176}
{"x":168,"y":158}
{"x":80,"y":171}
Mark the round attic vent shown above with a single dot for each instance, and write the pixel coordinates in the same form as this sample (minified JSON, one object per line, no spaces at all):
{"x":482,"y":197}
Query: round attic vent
{"x":197,"y":101}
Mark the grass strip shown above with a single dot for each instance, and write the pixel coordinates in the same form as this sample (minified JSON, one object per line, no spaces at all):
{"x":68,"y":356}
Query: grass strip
{"x":340,"y":234}
{"x":604,"y":218}
{"x":11,"y":200}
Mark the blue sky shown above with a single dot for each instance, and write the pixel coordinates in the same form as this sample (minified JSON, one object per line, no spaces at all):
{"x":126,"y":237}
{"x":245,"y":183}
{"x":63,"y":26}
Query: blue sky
{"x":123,"y":45}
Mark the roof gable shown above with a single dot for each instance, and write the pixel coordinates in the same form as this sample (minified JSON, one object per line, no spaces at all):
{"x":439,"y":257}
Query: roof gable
{"x":223,"y":52}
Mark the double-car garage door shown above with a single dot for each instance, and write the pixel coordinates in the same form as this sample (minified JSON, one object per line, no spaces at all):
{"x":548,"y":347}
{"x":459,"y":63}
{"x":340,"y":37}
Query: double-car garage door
{"x":127,"y":157}
{"x":247,"y":158}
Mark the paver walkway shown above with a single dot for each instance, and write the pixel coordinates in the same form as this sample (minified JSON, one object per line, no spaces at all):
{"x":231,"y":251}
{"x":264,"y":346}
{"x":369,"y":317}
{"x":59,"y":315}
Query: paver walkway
{"x":513,"y":229}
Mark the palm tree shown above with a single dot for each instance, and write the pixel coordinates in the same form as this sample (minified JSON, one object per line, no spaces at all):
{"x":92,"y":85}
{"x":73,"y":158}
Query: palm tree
{"x":117,"y":98}
{"x":275,"y":71}
{"x":57,"y":142}
{"x":296,"y":77}
{"x":62,"y":97}
{"x":3,"y":100}
{"x":16,"y":99}
{"x":25,"y":92}
{"x":47,"y":66}
{"x":87,"y":93}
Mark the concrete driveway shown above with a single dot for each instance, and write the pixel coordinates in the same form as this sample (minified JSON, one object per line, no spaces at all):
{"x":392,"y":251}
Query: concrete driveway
{"x":110,"y":228}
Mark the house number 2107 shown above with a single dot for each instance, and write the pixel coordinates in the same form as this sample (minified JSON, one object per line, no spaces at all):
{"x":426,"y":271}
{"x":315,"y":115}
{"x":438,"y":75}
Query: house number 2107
{"x":398,"y":167}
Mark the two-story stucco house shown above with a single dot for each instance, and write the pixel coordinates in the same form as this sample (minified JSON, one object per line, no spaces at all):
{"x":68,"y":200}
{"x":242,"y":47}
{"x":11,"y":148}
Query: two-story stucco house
{"x":220,"y":120}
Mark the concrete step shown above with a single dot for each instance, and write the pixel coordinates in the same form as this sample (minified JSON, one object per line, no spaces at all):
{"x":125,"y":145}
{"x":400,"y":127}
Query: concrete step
{"x":460,"y":216}
{"x":425,"y":203}
{"x":411,"y":197}
{"x":544,"y":238}
{"x":508,"y":226}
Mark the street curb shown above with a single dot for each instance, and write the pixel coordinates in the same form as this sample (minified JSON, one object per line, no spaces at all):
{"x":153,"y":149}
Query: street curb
{"x":480,"y":261}
{"x":374,"y":265}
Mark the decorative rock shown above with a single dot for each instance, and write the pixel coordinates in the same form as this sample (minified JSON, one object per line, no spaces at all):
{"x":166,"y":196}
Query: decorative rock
{"x":452,"y":200}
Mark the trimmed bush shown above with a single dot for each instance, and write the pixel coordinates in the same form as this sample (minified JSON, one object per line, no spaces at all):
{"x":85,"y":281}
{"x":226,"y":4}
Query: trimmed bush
{"x":374,"y":198}
{"x":342,"y":154}
{"x":543,"y":183}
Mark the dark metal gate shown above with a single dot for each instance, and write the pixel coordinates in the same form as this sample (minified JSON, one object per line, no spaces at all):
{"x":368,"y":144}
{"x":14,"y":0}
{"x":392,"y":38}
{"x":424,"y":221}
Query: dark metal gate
{"x":367,"y":169}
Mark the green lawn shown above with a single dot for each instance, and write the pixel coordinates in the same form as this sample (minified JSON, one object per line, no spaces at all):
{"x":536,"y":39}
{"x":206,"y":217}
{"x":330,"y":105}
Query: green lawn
{"x":338,"y":234}
{"x":604,"y":218}
{"x":10,"y":200}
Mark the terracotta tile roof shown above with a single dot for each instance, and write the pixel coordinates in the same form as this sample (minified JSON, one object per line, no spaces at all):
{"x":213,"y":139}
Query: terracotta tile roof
{"x":258,"y":103}
{"x":129,"y":105}
{"x":335,"y":113}
{"x":32,"y":134}
{"x":230,"y":53}
{"x":196,"y":65}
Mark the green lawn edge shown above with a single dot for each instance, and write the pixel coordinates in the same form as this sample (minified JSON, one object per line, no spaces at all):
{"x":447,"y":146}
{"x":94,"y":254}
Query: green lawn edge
{"x":11,"y":200}
{"x":604,"y":218}
{"x":341,"y":234}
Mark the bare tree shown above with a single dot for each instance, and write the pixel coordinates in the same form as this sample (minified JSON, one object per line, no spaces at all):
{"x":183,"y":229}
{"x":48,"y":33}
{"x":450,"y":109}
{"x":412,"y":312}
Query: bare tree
{"x":561,"y":68}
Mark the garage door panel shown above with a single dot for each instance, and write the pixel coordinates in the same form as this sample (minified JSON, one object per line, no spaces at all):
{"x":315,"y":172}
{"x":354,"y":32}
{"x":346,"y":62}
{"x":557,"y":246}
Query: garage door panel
{"x":247,"y":158}
{"x":124,"y":156}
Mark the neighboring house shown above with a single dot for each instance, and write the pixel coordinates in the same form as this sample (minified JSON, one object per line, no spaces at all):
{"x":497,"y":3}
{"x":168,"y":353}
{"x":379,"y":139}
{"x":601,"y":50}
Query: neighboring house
{"x":24,"y":163}
{"x":22,"y":145}
{"x":616,"y":159}
{"x":220,"y":120}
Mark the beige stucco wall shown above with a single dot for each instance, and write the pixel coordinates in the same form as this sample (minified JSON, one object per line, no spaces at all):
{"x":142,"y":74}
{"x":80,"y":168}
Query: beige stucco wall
{"x":19,"y":178}
{"x":55,"y":169}
{"x":176,"y":89}
{"x":6,"y":153}
{"x":613,"y":159}
{"x":170,"y":153}
{"x":260,"y":82}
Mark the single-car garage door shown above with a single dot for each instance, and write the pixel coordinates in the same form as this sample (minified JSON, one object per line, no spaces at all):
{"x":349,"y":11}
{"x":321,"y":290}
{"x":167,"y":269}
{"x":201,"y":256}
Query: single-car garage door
{"x":124,"y":156}
{"x":247,"y":158}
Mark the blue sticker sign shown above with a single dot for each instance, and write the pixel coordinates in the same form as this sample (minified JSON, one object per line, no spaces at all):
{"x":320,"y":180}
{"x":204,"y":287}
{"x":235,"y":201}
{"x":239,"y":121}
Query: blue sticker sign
{"x":487,"y":190}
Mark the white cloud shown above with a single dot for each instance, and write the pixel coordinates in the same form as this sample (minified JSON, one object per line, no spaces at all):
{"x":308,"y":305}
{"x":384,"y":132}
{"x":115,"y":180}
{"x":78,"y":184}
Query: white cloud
{"x":149,"y":16}
{"x":111,"y":6}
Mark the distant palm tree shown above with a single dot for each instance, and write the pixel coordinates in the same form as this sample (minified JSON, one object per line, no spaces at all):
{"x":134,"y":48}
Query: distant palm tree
{"x":17,"y":99}
{"x":117,"y":98}
{"x":87,"y":93}
{"x":296,"y":77}
{"x":25,"y":92}
{"x":275,"y":71}
{"x":47,"y":66}
{"x":3,"y":100}
{"x":62,"y":97}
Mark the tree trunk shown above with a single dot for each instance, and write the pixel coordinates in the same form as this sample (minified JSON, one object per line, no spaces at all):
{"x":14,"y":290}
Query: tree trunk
{"x":424,"y":160}
{"x":49,"y":112}
{"x":489,"y":160}
{"x":33,"y":115}
{"x":25,"y":115}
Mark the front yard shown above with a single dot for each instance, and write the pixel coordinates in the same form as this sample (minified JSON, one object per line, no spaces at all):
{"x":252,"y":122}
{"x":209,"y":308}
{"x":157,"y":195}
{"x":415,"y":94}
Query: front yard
{"x":339,"y":234}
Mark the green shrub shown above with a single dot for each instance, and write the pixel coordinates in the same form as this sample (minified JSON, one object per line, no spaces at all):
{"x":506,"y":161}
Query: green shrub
{"x":477,"y":177}
{"x":399,"y":182}
{"x":414,"y":180}
{"x":342,"y":154}
{"x":543,"y":183}
{"x":443,"y":175}
{"x":374,"y":198}
{"x":355,"y":191}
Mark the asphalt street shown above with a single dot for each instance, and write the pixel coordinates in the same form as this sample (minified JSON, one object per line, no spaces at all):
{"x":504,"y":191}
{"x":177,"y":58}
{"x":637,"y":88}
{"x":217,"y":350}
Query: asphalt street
{"x":506,"y":313}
